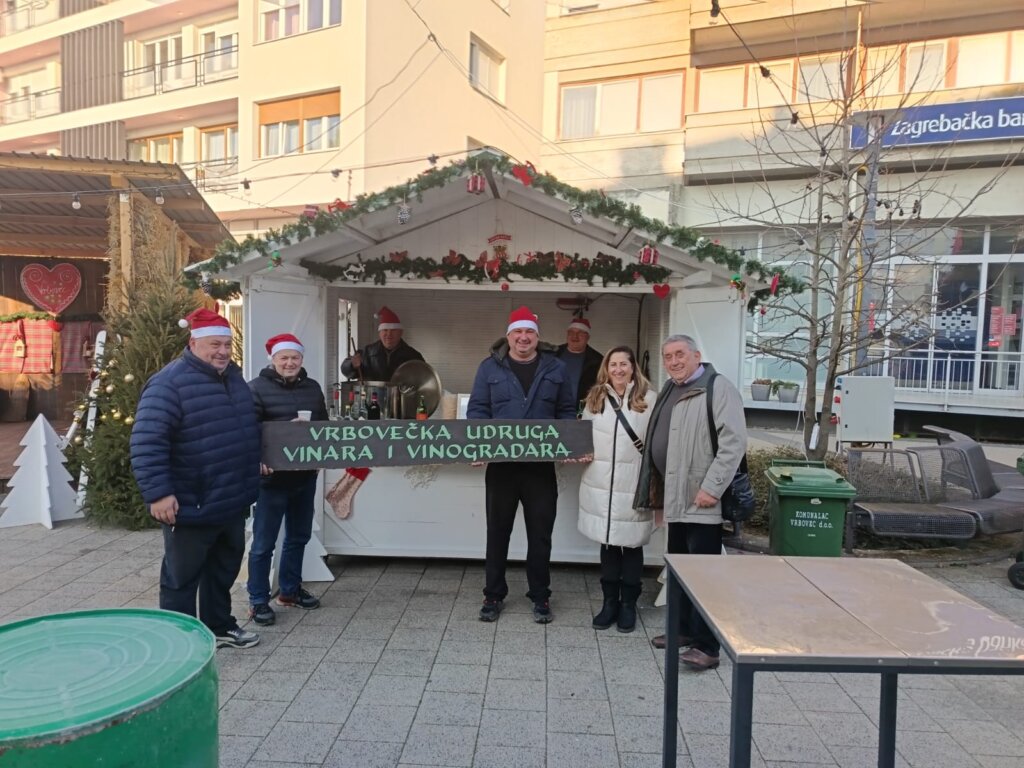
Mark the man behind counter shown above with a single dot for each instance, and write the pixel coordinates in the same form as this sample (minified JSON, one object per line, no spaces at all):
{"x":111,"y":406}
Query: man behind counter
{"x":379,"y":361}
{"x":582,"y":362}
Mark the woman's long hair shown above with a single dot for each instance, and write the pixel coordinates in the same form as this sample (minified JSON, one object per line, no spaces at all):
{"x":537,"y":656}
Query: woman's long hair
{"x":597,"y":393}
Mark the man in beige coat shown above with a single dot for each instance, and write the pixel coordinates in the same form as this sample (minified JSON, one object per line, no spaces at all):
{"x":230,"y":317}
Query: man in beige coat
{"x":682,"y":474}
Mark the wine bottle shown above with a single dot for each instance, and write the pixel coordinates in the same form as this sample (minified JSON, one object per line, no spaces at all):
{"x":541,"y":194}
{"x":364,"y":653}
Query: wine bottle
{"x":373,"y":411}
{"x":421,"y":411}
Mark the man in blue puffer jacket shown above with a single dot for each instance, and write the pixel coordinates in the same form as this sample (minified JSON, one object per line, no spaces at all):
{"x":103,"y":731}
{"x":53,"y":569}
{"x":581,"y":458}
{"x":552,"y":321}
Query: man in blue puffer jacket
{"x":521,"y":380}
{"x":195,"y":452}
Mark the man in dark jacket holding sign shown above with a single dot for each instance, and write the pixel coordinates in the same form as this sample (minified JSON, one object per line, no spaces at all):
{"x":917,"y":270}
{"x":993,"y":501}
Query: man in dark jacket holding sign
{"x":521,"y":380}
{"x":195,"y":453}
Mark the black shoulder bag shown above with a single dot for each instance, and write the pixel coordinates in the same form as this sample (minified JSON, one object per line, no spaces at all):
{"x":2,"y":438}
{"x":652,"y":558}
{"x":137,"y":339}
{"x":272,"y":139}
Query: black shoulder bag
{"x":625,"y":423}
{"x":738,"y":502}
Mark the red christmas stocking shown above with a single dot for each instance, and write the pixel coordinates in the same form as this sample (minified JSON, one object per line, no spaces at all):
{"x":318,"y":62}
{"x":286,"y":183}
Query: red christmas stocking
{"x":341,"y":495}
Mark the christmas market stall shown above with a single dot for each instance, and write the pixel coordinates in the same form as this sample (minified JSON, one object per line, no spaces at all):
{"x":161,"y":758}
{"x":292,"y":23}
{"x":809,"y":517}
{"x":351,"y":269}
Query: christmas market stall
{"x":451,"y":253}
{"x":72,"y":234}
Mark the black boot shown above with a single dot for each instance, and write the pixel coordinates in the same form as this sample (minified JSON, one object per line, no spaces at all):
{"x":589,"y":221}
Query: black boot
{"x":610,"y":610}
{"x":627,"y":608}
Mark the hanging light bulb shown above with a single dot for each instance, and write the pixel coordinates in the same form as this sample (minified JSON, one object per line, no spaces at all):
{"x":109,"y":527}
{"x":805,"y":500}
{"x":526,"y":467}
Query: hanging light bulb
{"x":76,"y":202}
{"x":159,"y":199}
{"x":802,"y":243}
{"x":246,"y":185}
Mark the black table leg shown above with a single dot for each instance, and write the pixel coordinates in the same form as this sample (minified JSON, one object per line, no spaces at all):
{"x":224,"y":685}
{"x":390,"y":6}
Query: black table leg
{"x":887,"y":721}
{"x":742,"y":714}
{"x":675,"y":594}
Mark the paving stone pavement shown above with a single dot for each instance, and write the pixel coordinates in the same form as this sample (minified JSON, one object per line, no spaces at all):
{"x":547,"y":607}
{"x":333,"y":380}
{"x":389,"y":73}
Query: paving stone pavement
{"x":396,"y":670}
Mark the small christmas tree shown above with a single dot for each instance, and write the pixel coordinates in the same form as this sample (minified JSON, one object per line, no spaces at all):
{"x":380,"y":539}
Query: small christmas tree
{"x":40,"y":489}
{"x":141,"y":340}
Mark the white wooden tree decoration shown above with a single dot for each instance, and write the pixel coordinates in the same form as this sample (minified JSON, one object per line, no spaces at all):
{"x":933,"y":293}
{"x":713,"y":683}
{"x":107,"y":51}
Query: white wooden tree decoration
{"x":40,"y":490}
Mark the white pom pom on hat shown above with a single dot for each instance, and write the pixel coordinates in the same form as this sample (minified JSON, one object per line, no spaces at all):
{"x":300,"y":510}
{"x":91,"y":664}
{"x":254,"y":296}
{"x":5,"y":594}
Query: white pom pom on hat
{"x":183,"y":323}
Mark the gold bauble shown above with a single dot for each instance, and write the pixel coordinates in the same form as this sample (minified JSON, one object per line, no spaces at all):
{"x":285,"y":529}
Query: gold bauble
{"x":103,"y":417}
{"x":129,"y":378}
{"x":103,"y":374}
{"x":116,"y":415}
{"x":112,"y":364}
{"x":78,"y":439}
{"x":110,"y":389}
{"x":129,"y":420}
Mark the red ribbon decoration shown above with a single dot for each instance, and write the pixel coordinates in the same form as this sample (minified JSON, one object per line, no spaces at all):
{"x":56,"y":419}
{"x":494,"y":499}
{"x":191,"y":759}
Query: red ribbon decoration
{"x":338,"y":206}
{"x":775,"y":284}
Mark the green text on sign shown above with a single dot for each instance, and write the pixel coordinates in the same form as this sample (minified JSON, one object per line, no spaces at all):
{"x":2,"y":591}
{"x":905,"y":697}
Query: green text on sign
{"x":292,"y":445}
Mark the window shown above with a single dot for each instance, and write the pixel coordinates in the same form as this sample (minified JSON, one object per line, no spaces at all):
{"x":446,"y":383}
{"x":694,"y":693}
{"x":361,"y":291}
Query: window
{"x":773,"y":91}
{"x":156,"y":149}
{"x":486,"y":70}
{"x":1017,"y":58}
{"x":820,"y":79}
{"x":617,"y":107}
{"x":283,"y":18}
{"x":220,"y":145}
{"x":306,"y":124}
{"x":926,"y":67}
{"x":661,"y":102}
{"x":220,"y":54}
{"x":882,"y":75}
{"x":721,"y":89}
{"x":981,"y":60}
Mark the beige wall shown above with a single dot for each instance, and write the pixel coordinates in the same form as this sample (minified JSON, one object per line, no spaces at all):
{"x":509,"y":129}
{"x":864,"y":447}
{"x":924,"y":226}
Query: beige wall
{"x":621,"y":42}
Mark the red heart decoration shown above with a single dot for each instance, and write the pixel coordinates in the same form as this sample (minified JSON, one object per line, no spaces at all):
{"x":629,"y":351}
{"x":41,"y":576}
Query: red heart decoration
{"x":51,"y":289}
{"x":662,"y":290}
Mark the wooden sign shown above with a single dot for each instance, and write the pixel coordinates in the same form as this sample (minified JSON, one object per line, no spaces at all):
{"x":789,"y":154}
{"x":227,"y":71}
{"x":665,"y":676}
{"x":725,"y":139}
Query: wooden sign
{"x":337,"y":444}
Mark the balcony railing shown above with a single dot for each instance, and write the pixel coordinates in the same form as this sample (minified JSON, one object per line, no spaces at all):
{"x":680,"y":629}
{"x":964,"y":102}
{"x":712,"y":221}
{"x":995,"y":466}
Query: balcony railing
{"x":949,"y":372}
{"x":27,"y":14}
{"x":21,"y":108}
{"x":187,"y":72}
{"x":213,"y":175}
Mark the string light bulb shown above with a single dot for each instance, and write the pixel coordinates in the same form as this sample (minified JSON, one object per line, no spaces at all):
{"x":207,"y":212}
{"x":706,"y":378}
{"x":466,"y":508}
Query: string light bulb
{"x":802,"y":243}
{"x":716,"y":9}
{"x":159,"y":198}
{"x":76,"y":202}
{"x":336,"y":172}
{"x":765,"y":72}
{"x":246,"y":185}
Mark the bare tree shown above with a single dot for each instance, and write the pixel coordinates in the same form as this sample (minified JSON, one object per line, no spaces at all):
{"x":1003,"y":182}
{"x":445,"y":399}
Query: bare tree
{"x":851,"y":215}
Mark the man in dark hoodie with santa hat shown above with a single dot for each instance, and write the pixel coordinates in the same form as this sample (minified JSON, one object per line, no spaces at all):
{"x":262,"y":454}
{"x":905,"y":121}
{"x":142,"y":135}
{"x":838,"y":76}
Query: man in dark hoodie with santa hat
{"x":522,"y":379}
{"x":379,"y":361}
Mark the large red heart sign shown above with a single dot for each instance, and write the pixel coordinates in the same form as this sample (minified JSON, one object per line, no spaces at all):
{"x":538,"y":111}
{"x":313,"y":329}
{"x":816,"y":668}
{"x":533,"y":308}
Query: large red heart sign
{"x":662,"y":290}
{"x":51,"y":289}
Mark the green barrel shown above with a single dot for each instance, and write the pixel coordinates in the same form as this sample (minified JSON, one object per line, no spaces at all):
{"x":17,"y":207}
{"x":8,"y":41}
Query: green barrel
{"x":807,"y":510}
{"x":112,"y":688}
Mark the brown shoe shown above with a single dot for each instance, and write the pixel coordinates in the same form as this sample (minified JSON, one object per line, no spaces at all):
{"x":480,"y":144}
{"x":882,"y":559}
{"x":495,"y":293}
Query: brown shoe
{"x":695,"y":658}
{"x":658,"y":641}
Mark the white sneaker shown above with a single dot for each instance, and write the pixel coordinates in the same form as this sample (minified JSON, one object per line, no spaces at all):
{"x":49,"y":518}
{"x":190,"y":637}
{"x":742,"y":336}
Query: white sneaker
{"x":237,"y":638}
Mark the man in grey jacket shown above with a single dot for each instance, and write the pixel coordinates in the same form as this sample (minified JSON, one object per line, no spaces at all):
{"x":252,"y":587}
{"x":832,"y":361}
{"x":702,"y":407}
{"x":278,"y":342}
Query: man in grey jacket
{"x":682,"y":474}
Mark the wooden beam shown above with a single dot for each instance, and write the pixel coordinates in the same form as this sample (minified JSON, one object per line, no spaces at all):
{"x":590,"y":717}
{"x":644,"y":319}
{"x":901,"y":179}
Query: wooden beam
{"x":35,"y":237}
{"x":45,"y":253}
{"x":55,"y":221}
{"x":89,"y":198}
{"x":79,"y":167}
{"x":125,"y":206}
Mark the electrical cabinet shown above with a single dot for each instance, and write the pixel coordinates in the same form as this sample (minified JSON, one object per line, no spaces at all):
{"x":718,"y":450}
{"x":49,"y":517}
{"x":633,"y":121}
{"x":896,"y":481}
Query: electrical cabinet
{"x":866,"y":406}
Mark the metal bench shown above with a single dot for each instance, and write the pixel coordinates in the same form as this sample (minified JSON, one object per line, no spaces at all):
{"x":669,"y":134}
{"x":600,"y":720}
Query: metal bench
{"x":936,"y":492}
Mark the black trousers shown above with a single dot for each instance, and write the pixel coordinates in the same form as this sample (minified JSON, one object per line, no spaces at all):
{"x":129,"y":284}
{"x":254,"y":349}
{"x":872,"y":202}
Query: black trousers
{"x":508,"y":484}
{"x":695,"y":539}
{"x":622,"y":572}
{"x":205,"y":560}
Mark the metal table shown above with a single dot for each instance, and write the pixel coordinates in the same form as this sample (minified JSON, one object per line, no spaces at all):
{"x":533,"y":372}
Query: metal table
{"x":822,"y":614}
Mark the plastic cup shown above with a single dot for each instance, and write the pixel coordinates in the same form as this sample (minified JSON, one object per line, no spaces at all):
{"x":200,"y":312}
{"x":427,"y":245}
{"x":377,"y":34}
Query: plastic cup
{"x":305,"y":415}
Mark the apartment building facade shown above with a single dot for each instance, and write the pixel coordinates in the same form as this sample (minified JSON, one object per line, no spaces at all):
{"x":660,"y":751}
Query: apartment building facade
{"x":271,"y":105}
{"x":762,"y":88}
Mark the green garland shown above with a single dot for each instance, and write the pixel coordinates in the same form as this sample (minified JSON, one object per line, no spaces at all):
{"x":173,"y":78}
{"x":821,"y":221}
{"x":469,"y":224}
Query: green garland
{"x":30,"y":315}
{"x":594,"y":203}
{"x":456,"y":266}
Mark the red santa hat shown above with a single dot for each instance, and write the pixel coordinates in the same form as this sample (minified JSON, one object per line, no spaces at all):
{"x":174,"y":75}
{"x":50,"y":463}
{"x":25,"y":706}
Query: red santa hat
{"x":387,"y":320}
{"x":580,"y":324}
{"x":204,"y":323}
{"x":522,"y":318}
{"x":284,"y":341}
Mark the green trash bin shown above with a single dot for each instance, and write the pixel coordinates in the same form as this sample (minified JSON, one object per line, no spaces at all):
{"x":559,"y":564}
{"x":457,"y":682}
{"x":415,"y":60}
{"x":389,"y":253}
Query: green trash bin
{"x":807,"y":509}
{"x":118,"y":688}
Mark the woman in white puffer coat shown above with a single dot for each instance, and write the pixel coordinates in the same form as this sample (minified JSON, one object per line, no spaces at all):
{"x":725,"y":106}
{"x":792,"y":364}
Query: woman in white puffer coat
{"x":609,"y":483}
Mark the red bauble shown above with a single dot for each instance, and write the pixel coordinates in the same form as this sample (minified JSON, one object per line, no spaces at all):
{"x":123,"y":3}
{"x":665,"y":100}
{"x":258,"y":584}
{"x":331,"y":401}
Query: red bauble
{"x":504,"y":286}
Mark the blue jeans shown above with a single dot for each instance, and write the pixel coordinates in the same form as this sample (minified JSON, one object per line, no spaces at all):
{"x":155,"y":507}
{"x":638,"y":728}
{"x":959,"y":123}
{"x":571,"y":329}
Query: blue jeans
{"x":292,"y":503}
